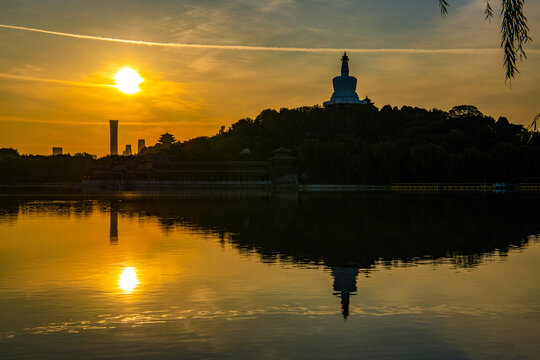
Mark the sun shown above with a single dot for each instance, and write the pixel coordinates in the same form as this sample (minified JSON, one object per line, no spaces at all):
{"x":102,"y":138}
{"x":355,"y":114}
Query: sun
{"x":128,"y":80}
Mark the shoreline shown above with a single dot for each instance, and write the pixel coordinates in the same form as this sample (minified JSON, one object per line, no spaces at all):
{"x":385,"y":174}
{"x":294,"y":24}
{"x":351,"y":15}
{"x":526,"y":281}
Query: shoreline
{"x":78,"y":189}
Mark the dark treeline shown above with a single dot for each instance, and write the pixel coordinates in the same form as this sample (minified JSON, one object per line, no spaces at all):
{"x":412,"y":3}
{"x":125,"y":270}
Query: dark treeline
{"x":358,"y":230}
{"x":362,"y":144}
{"x":16,"y":168}
{"x":353,"y":230}
{"x":340,"y":144}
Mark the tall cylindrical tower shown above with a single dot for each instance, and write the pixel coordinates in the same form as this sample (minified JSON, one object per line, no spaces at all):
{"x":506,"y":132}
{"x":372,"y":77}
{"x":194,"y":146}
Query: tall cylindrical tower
{"x":140,"y":145}
{"x":114,"y":136}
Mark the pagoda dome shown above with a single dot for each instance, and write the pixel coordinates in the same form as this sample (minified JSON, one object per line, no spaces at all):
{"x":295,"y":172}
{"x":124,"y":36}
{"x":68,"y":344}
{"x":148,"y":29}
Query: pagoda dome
{"x":344,"y":86}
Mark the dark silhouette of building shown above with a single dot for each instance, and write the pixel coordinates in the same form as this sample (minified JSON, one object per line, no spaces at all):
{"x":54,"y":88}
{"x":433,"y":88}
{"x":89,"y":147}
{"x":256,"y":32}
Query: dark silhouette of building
{"x":114,"y":136}
{"x":344,"y":86}
{"x":140,"y":145}
{"x":158,"y":173}
{"x":282,"y":167}
{"x":127,"y":151}
{"x":57,"y":151}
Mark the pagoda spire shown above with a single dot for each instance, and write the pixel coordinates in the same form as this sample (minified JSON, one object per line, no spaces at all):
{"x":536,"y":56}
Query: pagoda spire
{"x":345,"y":64}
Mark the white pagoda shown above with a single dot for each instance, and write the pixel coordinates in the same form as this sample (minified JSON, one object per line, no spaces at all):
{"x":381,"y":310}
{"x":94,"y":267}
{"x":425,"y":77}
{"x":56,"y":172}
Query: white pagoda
{"x":344,"y":87}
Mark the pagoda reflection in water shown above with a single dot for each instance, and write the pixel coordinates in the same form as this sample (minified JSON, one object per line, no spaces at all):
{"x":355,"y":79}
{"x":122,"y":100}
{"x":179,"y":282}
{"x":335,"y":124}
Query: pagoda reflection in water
{"x":350,"y":234}
{"x":344,"y":286}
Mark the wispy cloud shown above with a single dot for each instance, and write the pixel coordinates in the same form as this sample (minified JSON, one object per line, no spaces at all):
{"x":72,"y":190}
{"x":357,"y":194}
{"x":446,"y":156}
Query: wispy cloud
{"x":54,"y":81}
{"x":86,"y":123}
{"x":260,"y":48}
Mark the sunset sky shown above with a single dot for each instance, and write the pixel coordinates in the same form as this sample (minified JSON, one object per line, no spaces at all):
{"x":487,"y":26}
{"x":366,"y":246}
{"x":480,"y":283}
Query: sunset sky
{"x":53,"y":89}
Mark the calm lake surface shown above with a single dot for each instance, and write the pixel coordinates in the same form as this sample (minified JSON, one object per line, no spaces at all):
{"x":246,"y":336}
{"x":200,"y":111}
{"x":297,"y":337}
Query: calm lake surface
{"x":271,"y":276}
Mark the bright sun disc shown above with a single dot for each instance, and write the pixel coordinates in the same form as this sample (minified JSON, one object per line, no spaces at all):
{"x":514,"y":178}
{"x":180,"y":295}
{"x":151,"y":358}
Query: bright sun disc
{"x":128,"y":80}
{"x":128,"y":279}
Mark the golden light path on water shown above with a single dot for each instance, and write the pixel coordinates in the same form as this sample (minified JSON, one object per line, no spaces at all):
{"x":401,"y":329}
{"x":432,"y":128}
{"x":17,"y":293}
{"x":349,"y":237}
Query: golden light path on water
{"x":132,"y":285}
{"x":127,"y":281}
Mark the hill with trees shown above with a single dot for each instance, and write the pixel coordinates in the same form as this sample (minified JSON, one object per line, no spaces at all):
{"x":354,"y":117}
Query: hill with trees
{"x":362,"y":144}
{"x":358,"y":144}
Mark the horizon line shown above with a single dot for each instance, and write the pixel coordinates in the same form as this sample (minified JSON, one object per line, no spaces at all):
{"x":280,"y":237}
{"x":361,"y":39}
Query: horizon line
{"x":261,"y":48}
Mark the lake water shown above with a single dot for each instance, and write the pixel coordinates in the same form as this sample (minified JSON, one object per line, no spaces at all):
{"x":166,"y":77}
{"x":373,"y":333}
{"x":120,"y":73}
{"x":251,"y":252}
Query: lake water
{"x":271,"y":276}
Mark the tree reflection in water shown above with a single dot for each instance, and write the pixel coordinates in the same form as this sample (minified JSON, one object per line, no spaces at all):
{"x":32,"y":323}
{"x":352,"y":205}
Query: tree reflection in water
{"x":348,"y":233}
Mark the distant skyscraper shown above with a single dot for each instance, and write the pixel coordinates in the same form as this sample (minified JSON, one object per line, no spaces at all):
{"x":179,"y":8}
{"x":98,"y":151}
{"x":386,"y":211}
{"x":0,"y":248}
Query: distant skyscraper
{"x":57,"y":151}
{"x":140,"y":145}
{"x":127,"y":152}
{"x":114,"y":136}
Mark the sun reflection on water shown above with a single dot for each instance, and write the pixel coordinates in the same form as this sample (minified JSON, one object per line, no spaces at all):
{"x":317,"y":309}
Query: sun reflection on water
{"x":127,"y":280}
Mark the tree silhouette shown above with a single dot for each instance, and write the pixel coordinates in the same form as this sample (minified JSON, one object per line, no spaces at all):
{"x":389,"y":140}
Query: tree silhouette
{"x":465,"y":110}
{"x":8,"y":154}
{"x":514,"y":31}
{"x":337,"y":145}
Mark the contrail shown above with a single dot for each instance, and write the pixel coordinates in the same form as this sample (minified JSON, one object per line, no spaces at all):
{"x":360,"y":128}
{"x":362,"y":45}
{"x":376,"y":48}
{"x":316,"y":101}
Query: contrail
{"x":257,"y":48}
{"x":46,"y":121}
{"x":62,"y":82}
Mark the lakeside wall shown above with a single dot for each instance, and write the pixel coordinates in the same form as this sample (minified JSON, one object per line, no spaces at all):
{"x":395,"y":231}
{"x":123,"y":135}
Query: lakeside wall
{"x":172,"y":187}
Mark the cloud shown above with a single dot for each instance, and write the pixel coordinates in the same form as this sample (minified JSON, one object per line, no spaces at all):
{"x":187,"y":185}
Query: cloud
{"x":260,"y":48}
{"x":54,"y":81}
{"x":86,"y":123}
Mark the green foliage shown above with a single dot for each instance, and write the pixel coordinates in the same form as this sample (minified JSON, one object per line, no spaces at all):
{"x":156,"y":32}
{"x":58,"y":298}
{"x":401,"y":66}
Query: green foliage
{"x":532,"y":129}
{"x":515,"y":34}
{"x":443,"y":4}
{"x":361,"y":144}
{"x":8,"y":154}
{"x":340,"y":144}
{"x":514,"y":31}
{"x":15,"y":168}
{"x":464,"y":111}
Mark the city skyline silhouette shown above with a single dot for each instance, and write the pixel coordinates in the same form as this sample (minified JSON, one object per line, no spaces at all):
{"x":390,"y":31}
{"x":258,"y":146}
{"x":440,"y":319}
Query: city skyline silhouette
{"x":192,"y":91}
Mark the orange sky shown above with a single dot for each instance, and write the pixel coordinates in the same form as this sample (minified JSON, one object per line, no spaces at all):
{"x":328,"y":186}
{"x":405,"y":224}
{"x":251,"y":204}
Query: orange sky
{"x":49,"y":97}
